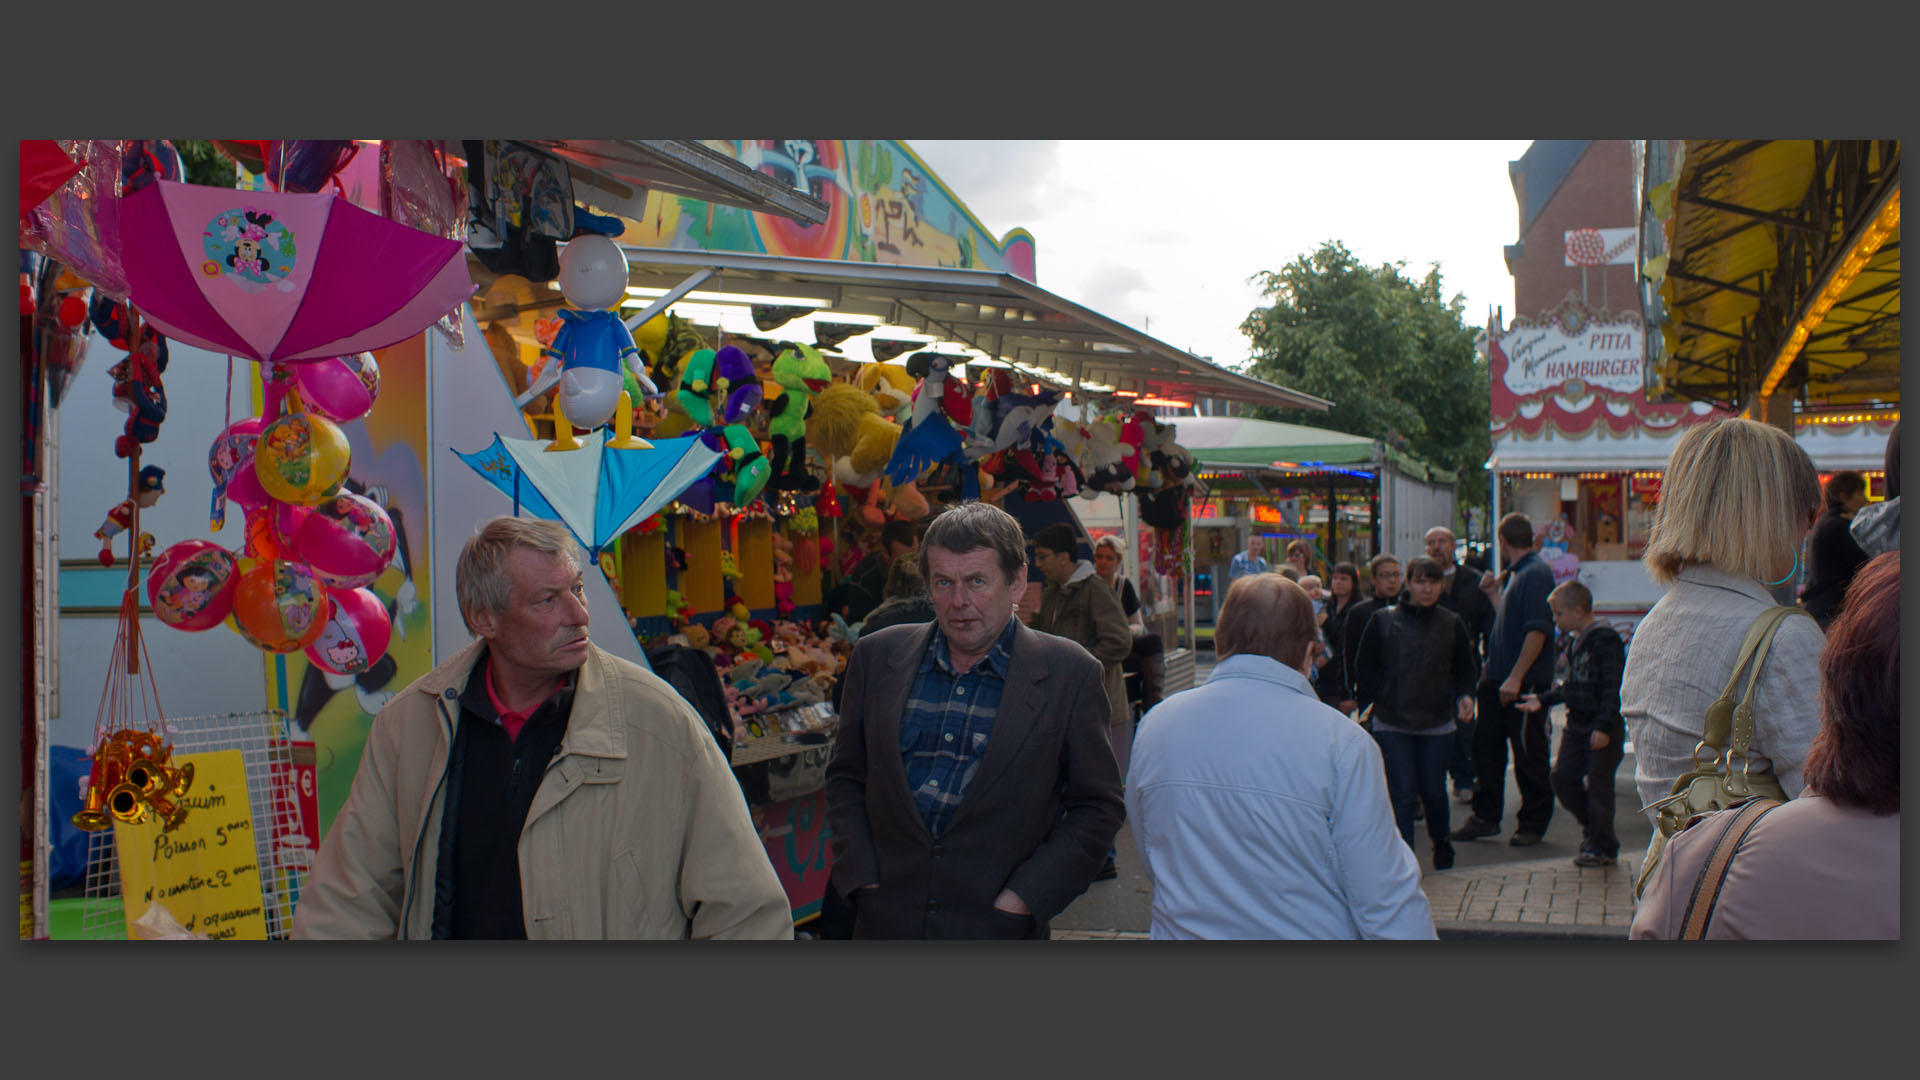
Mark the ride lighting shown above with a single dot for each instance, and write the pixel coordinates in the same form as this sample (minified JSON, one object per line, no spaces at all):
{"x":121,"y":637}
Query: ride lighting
{"x":1163,"y":403}
{"x":1884,"y":223}
{"x":1878,"y":416}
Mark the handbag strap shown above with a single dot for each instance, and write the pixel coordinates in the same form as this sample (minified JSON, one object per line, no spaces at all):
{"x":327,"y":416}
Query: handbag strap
{"x":1742,"y":734}
{"x":1719,"y":724}
{"x":1713,"y":874}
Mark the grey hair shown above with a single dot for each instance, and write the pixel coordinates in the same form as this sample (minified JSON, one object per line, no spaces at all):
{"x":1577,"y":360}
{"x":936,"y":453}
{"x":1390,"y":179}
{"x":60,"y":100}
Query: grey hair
{"x":480,"y":579}
{"x":972,"y":525}
{"x":1112,"y":542}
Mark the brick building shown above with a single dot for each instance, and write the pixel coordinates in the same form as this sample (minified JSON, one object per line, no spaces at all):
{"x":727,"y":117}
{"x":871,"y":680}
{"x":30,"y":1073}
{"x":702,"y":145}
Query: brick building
{"x":1562,"y":185}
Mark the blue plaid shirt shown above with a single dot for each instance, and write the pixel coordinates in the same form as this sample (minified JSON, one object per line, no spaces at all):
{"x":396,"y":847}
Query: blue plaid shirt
{"x":944,"y":729}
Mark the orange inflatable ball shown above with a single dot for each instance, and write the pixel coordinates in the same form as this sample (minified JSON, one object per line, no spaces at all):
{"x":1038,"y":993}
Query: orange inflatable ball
{"x":280,"y":606}
{"x":262,"y":544}
{"x":301,"y":458}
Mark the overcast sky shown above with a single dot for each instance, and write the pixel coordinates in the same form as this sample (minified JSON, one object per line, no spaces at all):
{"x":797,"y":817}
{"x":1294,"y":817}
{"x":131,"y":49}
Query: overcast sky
{"x":1164,"y":236}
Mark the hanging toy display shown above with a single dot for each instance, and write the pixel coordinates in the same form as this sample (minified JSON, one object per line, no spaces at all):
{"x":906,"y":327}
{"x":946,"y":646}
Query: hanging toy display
{"x":191,"y":585}
{"x":340,"y":388}
{"x":280,"y":606}
{"x":593,"y":347}
{"x":137,"y":389}
{"x":132,"y":773}
{"x":301,"y":458}
{"x":356,"y":633}
{"x":802,"y":372}
{"x":719,"y":391}
{"x":153,"y":484}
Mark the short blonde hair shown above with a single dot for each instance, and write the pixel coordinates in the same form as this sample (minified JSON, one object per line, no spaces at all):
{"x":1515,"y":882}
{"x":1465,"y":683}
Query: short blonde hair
{"x":480,"y":579}
{"x":1265,"y":615}
{"x":1737,"y":495}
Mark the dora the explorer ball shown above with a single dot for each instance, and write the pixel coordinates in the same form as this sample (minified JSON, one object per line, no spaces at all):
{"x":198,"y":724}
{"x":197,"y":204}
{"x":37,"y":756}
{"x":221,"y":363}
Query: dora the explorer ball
{"x":191,"y":585}
{"x":356,"y":634}
{"x":341,"y":388}
{"x":347,"y":537}
{"x":280,"y":606}
{"x":301,"y":458}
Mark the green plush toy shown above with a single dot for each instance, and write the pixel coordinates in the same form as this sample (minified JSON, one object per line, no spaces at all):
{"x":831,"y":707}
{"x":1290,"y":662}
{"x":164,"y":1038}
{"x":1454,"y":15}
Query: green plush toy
{"x":802,"y":372}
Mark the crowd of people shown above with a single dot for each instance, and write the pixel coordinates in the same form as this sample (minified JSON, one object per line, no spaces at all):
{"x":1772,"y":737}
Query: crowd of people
{"x":536,"y":786}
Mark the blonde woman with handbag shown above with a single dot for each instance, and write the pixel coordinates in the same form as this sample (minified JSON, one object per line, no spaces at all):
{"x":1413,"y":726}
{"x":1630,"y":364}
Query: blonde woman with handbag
{"x":1827,"y":864}
{"x":1737,"y":499}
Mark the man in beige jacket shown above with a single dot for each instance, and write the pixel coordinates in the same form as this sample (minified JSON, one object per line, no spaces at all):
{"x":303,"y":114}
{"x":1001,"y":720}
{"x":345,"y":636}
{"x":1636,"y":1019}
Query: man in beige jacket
{"x":1078,"y":606}
{"x":535,"y":786}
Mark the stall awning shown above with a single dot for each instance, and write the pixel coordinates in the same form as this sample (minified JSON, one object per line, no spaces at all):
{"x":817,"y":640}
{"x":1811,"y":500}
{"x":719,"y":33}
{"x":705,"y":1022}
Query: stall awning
{"x":1768,"y":238}
{"x":621,"y":171}
{"x":1003,"y":319}
{"x":1234,"y":440}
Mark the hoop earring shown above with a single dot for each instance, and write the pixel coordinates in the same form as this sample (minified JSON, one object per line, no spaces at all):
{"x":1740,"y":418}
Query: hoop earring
{"x":1791,"y":574}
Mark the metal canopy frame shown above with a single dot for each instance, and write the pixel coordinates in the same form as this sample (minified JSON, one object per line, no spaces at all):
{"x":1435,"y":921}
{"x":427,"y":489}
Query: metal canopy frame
{"x":1047,"y":336}
{"x":1757,"y":229}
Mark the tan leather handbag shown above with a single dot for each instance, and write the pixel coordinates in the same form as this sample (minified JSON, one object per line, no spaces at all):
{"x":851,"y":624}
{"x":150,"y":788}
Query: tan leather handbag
{"x":1715,"y":782}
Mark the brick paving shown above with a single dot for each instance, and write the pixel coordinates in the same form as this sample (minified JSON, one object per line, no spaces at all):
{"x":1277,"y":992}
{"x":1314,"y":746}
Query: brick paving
{"x":1534,"y":897}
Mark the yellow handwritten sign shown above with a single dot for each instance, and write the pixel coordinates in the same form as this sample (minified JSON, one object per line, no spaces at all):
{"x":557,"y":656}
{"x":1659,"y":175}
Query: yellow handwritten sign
{"x":206,"y":872}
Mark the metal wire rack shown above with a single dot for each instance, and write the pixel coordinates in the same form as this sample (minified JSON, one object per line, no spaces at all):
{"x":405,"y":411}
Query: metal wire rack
{"x":283,"y":857}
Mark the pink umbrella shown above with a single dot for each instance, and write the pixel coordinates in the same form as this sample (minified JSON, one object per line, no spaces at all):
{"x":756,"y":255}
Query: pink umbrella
{"x":282,"y":276}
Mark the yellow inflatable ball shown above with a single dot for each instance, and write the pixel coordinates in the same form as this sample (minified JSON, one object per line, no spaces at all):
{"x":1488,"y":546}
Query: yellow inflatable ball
{"x":301,"y":458}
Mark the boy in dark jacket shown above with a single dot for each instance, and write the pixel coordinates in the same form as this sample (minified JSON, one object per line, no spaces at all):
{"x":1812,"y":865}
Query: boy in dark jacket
{"x":1591,"y":745}
{"x":1415,"y":667}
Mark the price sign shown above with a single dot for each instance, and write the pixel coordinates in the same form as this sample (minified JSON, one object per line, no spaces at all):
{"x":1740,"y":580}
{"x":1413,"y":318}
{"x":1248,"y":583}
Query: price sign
{"x":206,"y":872}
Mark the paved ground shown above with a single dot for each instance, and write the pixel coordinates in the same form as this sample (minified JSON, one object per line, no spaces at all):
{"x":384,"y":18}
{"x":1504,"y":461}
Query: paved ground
{"x":1494,"y":889}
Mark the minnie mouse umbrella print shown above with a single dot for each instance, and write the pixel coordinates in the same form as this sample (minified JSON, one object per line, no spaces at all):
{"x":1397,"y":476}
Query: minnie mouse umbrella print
{"x":282,"y":277}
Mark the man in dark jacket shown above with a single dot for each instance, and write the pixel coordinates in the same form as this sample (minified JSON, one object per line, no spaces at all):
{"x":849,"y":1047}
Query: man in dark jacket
{"x":1592,"y":743}
{"x":1518,"y":662}
{"x":972,"y":792}
{"x":1415,"y":667}
{"x":1461,"y":594}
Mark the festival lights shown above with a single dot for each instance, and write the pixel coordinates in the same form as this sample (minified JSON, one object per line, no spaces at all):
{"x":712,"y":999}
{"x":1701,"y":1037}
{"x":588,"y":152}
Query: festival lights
{"x":1884,"y":223}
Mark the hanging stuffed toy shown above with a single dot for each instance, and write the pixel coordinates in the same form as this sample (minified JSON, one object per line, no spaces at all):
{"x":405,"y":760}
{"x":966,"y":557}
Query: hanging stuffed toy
{"x":802,"y":372}
{"x":153,"y":484}
{"x":718,"y":391}
{"x":941,"y":406}
{"x":137,"y":390}
{"x":595,"y":350}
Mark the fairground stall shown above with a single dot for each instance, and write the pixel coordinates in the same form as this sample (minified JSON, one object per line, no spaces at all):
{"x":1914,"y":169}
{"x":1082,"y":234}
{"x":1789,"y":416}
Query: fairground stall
{"x":1350,"y":496}
{"x":1579,"y":448}
{"x":823,"y":342}
{"x":212,"y":314}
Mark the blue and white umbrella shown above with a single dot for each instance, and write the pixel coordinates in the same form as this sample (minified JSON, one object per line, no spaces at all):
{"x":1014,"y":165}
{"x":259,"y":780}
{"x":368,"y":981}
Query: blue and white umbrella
{"x":597,"y":492}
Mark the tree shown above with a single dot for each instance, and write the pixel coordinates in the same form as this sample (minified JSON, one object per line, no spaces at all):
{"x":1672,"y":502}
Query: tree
{"x":1398,"y":362}
{"x":204,"y":164}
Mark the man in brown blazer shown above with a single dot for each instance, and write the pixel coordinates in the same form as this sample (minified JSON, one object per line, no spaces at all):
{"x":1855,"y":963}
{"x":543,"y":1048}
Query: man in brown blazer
{"x":972,"y":792}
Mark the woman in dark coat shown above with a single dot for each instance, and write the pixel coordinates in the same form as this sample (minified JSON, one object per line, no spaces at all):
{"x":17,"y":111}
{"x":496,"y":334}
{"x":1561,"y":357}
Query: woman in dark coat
{"x":1343,"y":590}
{"x":1832,"y":555}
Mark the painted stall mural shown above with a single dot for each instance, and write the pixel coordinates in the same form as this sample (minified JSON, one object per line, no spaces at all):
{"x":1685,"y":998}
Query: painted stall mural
{"x":1567,"y":370}
{"x":389,"y":456}
{"x":885,"y":206}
